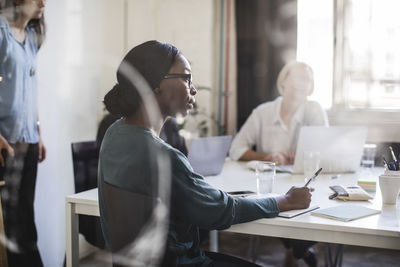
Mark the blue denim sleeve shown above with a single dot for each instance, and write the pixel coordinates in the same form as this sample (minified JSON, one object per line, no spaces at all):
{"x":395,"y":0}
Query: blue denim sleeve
{"x":209,"y":208}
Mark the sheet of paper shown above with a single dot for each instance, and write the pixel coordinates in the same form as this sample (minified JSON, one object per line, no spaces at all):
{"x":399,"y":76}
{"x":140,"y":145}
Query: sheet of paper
{"x":345,"y":212}
{"x":293,"y":213}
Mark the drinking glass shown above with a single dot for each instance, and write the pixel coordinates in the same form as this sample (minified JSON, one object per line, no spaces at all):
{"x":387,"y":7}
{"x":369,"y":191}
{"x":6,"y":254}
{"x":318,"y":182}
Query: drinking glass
{"x":265,"y":174}
{"x":311,"y":161}
{"x":368,"y":157}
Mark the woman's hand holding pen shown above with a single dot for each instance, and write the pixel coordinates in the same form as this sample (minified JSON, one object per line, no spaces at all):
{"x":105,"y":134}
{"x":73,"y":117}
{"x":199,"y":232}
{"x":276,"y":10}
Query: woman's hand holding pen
{"x":295,"y":198}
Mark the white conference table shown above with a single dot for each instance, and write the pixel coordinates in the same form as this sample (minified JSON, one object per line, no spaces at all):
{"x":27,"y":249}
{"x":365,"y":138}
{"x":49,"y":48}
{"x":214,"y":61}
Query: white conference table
{"x":381,"y":230}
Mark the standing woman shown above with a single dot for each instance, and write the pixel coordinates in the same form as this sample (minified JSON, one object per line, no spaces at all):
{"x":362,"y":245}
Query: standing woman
{"x":22,"y":32}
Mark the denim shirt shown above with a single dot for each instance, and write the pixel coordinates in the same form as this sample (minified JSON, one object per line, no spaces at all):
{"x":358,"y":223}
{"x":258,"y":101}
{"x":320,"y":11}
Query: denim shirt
{"x":18,"y":86}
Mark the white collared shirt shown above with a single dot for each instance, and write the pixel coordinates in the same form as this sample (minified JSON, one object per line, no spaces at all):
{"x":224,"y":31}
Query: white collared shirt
{"x":265,"y":129}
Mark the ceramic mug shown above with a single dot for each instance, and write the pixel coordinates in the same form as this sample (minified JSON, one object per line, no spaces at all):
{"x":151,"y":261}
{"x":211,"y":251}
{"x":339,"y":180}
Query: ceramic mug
{"x":390,"y":187}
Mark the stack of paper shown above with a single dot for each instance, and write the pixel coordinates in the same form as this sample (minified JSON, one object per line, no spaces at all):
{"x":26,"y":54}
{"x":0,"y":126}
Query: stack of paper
{"x":367,"y":185}
{"x":345,"y":213}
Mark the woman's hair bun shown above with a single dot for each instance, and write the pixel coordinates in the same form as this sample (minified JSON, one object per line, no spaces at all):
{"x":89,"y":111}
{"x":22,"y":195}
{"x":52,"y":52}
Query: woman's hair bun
{"x":121,"y":101}
{"x":111,"y":100}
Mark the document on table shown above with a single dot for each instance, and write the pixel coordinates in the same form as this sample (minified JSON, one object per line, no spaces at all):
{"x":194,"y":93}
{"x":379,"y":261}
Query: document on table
{"x":345,"y":212}
{"x":293,"y":213}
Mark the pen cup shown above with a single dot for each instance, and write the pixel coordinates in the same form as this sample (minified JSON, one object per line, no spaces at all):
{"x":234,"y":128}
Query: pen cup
{"x":265,"y":174}
{"x":389,"y":184}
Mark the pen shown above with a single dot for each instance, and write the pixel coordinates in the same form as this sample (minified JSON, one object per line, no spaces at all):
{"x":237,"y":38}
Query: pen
{"x":384,"y":160}
{"x":393,"y":156}
{"x":315,"y":175}
{"x":392,"y":166}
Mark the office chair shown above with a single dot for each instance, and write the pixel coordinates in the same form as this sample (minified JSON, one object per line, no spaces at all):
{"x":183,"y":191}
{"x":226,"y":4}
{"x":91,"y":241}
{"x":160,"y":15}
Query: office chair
{"x":133,"y":237}
{"x":85,"y":156}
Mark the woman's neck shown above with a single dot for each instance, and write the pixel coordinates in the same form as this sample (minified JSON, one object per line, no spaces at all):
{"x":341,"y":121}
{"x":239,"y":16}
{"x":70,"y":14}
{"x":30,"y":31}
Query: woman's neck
{"x":18,"y":27}
{"x":288,"y":109}
{"x":140,"y":118}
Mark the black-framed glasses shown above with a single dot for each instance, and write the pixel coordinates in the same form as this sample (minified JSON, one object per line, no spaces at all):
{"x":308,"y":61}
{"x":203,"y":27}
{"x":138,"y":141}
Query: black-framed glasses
{"x":185,"y":76}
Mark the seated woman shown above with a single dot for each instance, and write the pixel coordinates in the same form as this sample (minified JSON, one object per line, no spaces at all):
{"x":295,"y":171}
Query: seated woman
{"x":131,"y":147}
{"x":273,"y":130}
{"x":273,"y":127}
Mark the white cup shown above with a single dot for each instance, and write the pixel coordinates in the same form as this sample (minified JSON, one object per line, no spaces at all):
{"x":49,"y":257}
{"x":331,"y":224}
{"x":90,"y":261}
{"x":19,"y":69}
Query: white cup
{"x":311,"y":160}
{"x":390,"y":187}
{"x":265,"y":174}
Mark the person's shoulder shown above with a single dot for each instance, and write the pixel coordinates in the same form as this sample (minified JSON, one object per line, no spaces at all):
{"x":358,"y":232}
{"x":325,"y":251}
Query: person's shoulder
{"x":314,"y":112}
{"x":178,"y":159}
{"x":3,"y":22}
{"x":174,"y":153}
{"x":267,"y":106}
{"x":313,"y":105}
{"x":120,"y":132}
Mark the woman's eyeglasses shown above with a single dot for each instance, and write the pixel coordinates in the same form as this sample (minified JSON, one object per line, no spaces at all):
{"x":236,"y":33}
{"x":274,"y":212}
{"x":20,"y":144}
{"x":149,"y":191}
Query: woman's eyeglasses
{"x":185,"y":76}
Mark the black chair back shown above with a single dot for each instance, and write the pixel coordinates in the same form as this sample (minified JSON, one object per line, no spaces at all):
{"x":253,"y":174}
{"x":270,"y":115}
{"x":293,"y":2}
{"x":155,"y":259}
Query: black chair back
{"x":126,"y":215}
{"x":85,"y":157}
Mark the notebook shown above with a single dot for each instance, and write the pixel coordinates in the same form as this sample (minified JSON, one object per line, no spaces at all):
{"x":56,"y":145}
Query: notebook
{"x":207,"y":154}
{"x":293,"y":213}
{"x":345,"y":213}
{"x":340,"y":147}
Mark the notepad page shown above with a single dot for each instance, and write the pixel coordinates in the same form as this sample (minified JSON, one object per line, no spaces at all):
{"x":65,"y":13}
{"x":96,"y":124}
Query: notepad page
{"x":345,"y":212}
{"x":293,"y":213}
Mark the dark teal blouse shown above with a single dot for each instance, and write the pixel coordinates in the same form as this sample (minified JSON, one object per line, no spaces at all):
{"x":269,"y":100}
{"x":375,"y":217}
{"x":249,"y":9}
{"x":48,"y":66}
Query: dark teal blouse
{"x":129,"y":158}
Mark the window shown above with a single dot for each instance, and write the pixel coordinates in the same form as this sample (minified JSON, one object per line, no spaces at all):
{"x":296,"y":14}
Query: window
{"x":370,"y":58}
{"x":315,"y":45}
{"x":361,"y":69}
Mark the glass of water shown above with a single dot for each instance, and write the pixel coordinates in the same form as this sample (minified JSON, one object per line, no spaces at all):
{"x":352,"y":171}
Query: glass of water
{"x":265,"y":174}
{"x":311,"y":161}
{"x":368,"y":157}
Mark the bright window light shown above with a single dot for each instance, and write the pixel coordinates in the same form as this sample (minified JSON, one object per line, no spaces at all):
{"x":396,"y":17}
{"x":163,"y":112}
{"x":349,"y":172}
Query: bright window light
{"x":371,"y":56}
{"x":315,"y":45}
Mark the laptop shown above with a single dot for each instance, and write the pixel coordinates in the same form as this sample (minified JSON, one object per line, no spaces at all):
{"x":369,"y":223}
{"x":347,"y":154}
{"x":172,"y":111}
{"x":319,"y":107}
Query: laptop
{"x":340,"y":147}
{"x":207,"y":154}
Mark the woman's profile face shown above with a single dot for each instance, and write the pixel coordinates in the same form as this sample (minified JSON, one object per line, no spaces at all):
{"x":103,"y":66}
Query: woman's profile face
{"x":33,"y":9}
{"x":176,"y":95}
{"x":298,"y":83}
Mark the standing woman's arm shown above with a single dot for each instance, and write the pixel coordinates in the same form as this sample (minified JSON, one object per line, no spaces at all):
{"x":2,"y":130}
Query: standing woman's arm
{"x":5,"y":145}
{"x":40,"y":29}
{"x":41,"y":147}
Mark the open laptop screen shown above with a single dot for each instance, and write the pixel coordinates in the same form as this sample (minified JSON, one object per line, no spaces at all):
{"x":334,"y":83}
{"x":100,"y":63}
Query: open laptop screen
{"x":340,"y":147}
{"x":207,"y":155}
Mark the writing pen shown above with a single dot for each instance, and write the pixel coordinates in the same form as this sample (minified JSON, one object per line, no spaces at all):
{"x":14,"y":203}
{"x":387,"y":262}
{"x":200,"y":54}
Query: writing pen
{"x":315,"y":175}
{"x":386,"y":163}
{"x":393,"y":156}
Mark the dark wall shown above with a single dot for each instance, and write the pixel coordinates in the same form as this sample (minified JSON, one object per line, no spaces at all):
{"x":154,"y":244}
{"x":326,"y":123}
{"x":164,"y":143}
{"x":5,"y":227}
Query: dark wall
{"x":266,"y":37}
